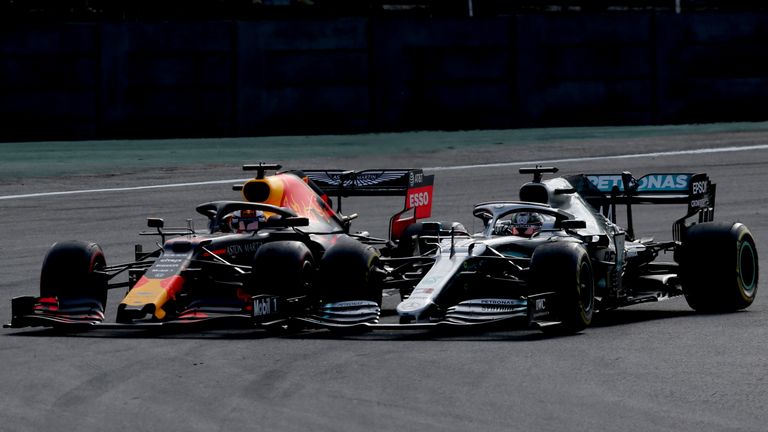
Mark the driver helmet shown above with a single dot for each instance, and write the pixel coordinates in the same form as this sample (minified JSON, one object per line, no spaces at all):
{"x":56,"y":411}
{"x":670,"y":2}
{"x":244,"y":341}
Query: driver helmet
{"x":526,"y":224}
{"x":244,"y":220}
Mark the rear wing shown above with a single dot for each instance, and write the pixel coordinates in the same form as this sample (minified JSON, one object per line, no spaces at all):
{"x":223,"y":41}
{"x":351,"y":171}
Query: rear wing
{"x":605,"y":191}
{"x":412,"y":184}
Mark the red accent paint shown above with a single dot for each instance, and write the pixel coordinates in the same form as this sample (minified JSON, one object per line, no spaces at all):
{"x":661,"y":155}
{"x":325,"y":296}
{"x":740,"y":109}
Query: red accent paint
{"x":172,"y":285}
{"x":299,"y":197}
{"x":45,"y":308}
{"x":193,"y":315}
{"x":243,"y":295}
{"x":421,"y":199}
{"x":143,"y":280}
{"x":46,"y":304}
{"x":398,"y":224}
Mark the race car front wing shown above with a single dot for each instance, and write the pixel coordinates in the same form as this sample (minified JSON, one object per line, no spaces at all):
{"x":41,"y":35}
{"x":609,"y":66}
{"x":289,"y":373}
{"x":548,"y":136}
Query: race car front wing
{"x":533,"y":311}
{"x":30,"y":311}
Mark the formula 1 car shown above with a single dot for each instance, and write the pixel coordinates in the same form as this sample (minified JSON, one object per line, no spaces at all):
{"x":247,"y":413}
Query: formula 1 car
{"x":552,"y":259}
{"x":276,"y":254}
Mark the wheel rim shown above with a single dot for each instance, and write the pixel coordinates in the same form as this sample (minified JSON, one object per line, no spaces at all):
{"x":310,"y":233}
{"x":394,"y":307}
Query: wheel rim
{"x":586,"y":288}
{"x":306,"y":276}
{"x":747,"y":268}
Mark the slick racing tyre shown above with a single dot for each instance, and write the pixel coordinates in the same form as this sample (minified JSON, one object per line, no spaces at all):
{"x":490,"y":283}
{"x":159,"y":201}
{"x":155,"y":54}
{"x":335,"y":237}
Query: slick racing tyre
{"x":284,"y":268}
{"x":718,"y":267}
{"x":565,"y":267}
{"x":348,"y":272}
{"x":70,"y":272}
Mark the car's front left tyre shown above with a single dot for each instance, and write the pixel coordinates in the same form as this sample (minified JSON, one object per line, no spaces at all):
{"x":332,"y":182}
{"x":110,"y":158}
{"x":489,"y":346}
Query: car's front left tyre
{"x":565,"y":268}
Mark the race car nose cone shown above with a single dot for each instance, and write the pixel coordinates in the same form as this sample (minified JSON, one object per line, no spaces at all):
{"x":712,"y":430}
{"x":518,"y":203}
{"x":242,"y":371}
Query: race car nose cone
{"x":129,"y":314}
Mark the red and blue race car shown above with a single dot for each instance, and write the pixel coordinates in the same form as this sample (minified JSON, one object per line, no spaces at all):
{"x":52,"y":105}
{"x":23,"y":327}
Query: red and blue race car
{"x":281,"y":252}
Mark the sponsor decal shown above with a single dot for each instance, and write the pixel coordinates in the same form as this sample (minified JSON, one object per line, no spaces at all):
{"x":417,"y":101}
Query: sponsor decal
{"x":498,"y":305}
{"x":648,"y":183}
{"x":417,"y":198}
{"x":700,"y":192}
{"x":496,"y":308}
{"x":420,"y":199}
{"x":700,"y":203}
{"x":700,"y":187}
{"x":362,"y":178}
{"x":351,"y":304}
{"x":263,"y":306}
{"x":606,"y":182}
{"x":415,"y":178}
{"x":369,"y":179}
{"x":507,"y":302}
{"x":419,"y":194}
{"x":167,"y":265}
{"x":238,"y":249}
{"x":539,"y":307}
{"x":664,"y":182}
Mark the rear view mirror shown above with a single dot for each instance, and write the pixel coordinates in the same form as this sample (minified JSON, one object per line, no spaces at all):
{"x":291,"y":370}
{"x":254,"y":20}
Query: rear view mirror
{"x":155,"y":222}
{"x":295,"y":221}
{"x":573,"y":224}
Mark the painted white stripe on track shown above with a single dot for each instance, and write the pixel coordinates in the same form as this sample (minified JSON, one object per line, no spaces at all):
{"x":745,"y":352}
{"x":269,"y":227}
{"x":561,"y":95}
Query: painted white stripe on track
{"x":438,"y":168}
{"x":597,"y":158}
{"x":121,"y":189}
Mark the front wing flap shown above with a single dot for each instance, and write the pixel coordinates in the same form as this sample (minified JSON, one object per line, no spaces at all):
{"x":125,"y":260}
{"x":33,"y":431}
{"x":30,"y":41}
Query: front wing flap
{"x":29,"y":311}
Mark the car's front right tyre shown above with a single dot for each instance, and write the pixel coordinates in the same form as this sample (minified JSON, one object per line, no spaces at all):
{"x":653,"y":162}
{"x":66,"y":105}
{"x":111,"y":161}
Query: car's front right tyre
{"x":347,"y":271}
{"x":71,"y":271}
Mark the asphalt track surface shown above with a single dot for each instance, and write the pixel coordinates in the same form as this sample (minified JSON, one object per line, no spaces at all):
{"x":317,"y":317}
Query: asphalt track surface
{"x":653,"y":367}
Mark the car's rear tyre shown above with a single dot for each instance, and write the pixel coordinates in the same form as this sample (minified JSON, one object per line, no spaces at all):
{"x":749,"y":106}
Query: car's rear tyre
{"x":284,"y":268}
{"x":718,"y":267}
{"x":348,"y":271}
{"x":565,"y":267}
{"x":70,"y":271}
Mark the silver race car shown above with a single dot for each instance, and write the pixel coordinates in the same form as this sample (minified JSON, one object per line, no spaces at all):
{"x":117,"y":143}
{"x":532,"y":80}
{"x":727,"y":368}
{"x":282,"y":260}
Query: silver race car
{"x":557,"y":255}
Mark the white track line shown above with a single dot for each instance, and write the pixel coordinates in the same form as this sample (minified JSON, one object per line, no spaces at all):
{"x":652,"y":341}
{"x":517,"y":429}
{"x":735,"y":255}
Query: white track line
{"x":597,"y":158}
{"x":439,"y":168}
{"x":121,"y":189}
